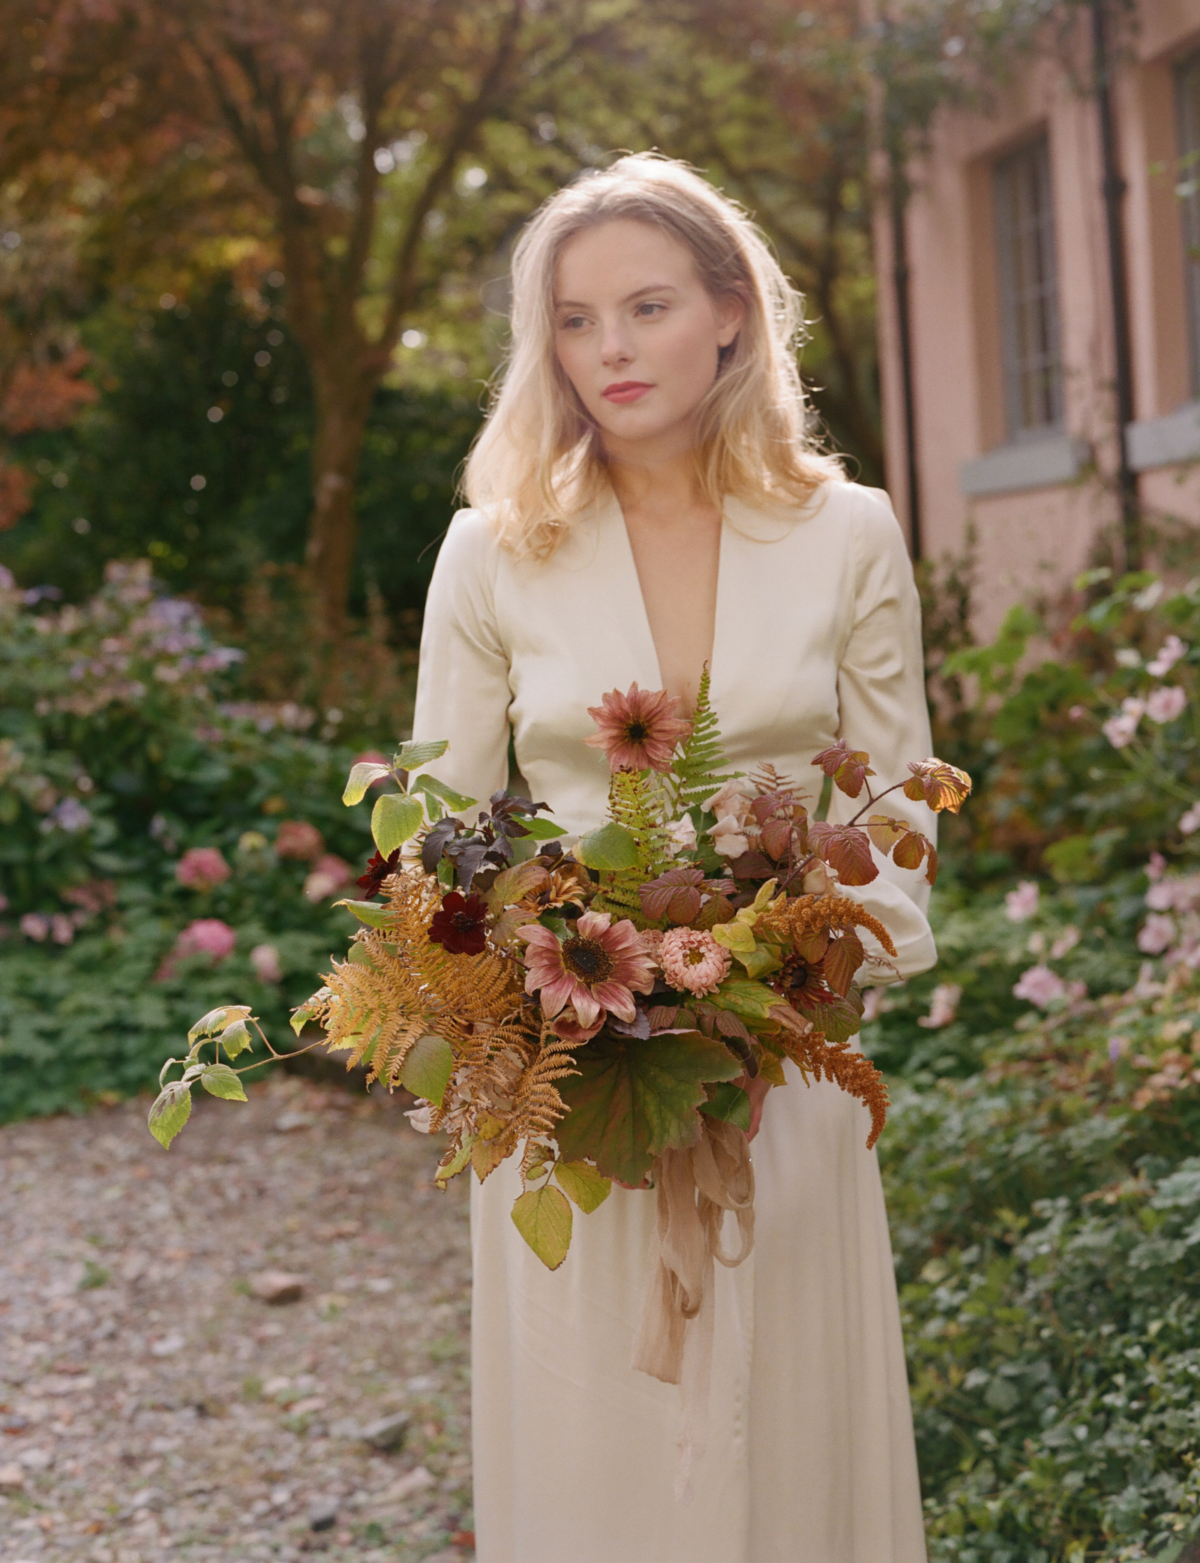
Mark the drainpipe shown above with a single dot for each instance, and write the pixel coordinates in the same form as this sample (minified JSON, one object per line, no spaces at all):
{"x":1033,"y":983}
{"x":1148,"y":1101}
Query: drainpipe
{"x":900,"y":284}
{"x":1114,"y":195}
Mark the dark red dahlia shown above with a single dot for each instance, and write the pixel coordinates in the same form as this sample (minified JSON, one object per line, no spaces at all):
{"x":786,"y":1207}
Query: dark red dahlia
{"x":378,"y":870}
{"x":460,"y":927}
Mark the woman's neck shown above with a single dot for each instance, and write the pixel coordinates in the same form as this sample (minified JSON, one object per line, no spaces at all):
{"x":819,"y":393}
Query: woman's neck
{"x":664,"y":487}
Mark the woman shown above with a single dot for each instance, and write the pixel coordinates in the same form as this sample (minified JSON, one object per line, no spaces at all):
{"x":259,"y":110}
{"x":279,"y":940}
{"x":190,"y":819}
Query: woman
{"x":646,"y":501}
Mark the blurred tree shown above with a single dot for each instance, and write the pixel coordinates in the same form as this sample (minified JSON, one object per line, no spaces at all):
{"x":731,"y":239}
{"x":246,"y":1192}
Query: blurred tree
{"x":198,"y":453}
{"x":333,"y":139}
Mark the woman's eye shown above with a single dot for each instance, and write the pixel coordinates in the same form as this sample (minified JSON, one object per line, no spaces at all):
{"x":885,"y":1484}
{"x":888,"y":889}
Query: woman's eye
{"x":647,"y":309}
{"x":572,"y":323}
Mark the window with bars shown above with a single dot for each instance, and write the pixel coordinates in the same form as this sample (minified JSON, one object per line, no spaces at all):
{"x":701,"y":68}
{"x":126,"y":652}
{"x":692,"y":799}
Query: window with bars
{"x":1187,"y":109}
{"x":1031,"y":351}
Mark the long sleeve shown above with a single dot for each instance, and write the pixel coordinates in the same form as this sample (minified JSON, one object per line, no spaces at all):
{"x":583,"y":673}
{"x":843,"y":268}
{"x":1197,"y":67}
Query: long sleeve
{"x":463,"y":690}
{"x":881,"y":697}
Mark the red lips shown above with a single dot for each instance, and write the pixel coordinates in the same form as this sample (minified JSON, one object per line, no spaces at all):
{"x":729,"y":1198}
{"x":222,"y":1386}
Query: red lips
{"x":626,"y":390}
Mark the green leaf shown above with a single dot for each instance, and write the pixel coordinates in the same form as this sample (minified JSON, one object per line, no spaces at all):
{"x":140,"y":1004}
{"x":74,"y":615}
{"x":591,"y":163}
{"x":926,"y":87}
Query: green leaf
{"x":432,"y":788}
{"x":763,"y":958}
{"x":543,"y":829}
{"x":746,"y":998}
{"x":731,"y":1104}
{"x":587,"y":1187}
{"x":369,"y":912}
{"x":608,"y":849}
{"x":171,"y":1110}
{"x":217,"y":1020}
{"x":307,"y":1010}
{"x":457,"y":1163}
{"x":543,"y":1218}
{"x":419,"y":752}
{"x":427,"y":1068}
{"x":632,"y":1099}
{"x":220,"y":1080}
{"x":395,"y":819}
{"x":235,"y":1039}
{"x":361,"y":777}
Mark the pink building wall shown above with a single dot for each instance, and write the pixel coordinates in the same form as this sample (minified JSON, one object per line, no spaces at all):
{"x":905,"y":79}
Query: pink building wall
{"x":1034,"y":533}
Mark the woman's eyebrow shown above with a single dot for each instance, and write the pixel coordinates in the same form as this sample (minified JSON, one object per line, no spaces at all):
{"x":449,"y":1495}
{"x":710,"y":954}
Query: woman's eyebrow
{"x":655,"y":287}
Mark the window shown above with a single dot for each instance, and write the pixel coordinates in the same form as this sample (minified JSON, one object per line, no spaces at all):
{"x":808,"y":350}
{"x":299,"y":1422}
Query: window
{"x":1187,"y":104}
{"x":1028,"y":291}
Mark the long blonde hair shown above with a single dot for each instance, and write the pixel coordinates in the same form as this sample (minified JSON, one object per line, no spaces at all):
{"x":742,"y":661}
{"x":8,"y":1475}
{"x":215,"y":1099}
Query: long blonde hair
{"x":539,"y":460}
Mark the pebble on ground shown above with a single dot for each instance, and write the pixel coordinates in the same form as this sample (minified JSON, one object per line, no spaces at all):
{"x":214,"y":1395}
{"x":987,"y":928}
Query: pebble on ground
{"x":154,"y":1407}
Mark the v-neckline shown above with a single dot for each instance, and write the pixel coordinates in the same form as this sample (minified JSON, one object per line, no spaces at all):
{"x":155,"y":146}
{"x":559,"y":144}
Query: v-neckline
{"x":615,"y":518}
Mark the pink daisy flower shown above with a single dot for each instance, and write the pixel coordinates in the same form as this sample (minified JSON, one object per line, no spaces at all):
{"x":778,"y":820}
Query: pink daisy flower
{"x":693,"y":960}
{"x":638,"y":730}
{"x":597,"y":969}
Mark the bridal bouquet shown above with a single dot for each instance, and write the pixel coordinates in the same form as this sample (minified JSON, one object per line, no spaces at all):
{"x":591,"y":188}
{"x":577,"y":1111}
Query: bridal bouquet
{"x":599,"y":1008}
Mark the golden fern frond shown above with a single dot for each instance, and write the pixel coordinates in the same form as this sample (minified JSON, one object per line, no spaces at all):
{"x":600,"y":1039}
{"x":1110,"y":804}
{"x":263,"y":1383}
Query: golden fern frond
{"x":537,"y":1106}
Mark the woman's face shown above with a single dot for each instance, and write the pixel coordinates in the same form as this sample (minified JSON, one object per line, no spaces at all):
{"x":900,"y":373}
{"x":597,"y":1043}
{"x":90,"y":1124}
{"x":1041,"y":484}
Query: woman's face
{"x":638,"y":334}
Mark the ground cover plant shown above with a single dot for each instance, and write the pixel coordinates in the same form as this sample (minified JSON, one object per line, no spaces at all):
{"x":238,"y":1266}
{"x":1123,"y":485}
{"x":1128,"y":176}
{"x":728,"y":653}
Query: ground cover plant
{"x":1043,"y":1155}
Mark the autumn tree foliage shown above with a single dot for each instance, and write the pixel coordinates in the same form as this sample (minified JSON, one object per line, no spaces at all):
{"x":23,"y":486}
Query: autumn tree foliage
{"x":329,"y":141}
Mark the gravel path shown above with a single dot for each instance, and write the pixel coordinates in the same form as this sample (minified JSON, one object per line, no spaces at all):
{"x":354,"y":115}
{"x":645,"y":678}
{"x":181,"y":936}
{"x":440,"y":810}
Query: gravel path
{"x":153,"y":1407}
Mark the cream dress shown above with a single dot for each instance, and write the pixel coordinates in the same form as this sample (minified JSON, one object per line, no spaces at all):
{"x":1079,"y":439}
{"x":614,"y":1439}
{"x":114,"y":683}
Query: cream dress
{"x":810,"y":1455}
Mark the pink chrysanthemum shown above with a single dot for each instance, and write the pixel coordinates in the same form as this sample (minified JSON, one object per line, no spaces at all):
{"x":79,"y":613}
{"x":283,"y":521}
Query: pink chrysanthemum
{"x":638,"y":730}
{"x":596,"y":970}
{"x":693,"y":960}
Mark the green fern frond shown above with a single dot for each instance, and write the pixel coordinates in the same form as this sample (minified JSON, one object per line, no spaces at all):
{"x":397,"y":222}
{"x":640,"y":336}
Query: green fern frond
{"x":701,"y":768}
{"x":637,"y":801}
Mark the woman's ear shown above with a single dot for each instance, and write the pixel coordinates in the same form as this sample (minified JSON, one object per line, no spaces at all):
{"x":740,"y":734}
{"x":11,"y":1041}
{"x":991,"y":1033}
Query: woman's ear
{"x":731,"y":316}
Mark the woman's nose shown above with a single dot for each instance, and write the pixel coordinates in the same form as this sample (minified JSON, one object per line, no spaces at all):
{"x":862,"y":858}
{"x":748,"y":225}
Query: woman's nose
{"x":615,"y":347}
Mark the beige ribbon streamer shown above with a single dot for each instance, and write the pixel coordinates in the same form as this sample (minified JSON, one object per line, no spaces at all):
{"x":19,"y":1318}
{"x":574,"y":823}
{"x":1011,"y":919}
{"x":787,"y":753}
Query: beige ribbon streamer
{"x":696,"y":1188}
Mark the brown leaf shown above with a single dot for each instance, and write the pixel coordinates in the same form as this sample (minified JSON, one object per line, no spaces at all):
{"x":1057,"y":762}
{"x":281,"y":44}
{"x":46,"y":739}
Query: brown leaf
{"x":939,"y":785}
{"x":842,"y":961}
{"x":845,"y":848}
{"x":849,"y":768}
{"x":910,"y":850}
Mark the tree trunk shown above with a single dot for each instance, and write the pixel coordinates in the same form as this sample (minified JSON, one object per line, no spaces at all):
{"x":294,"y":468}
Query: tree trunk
{"x":342,"y":406}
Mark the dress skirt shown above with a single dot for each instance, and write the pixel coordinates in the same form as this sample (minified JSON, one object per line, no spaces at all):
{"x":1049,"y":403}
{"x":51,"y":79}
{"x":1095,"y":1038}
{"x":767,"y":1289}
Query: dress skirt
{"x":810,"y":1455}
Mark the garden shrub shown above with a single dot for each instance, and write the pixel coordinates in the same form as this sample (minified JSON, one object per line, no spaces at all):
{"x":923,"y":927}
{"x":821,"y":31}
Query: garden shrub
{"x":136,"y":804}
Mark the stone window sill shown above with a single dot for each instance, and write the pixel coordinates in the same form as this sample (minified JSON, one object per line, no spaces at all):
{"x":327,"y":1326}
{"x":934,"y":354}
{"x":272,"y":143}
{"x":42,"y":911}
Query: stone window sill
{"x":1025,"y":464}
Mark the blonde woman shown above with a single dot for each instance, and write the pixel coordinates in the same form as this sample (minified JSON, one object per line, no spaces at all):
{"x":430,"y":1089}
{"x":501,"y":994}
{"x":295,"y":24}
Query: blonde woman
{"x":645,"y":500}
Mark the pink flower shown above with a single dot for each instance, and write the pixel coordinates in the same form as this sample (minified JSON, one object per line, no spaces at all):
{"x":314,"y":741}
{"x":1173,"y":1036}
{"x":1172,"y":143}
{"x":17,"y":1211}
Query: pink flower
{"x":682,"y":834}
{"x":264,"y":961}
{"x":943,"y":1006}
{"x":728,"y":837}
{"x":1156,"y":934}
{"x":1166,"y":703}
{"x":597,"y":968}
{"x":35,"y":926}
{"x":1190,"y":822}
{"x":1022,"y":902}
{"x":200,"y":868}
{"x":693,"y":960}
{"x":1168,"y":655}
{"x":734,"y":798}
{"x":207,"y":936}
{"x":638,"y":730}
{"x":1040,"y":986}
{"x":329,"y":875}
{"x":297,"y":838}
{"x":1120,"y":729}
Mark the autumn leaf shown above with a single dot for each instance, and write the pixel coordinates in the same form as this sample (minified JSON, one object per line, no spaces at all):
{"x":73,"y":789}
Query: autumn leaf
{"x":847,"y":767}
{"x":632,"y":1099}
{"x":938,"y":784}
{"x":842,"y":960}
{"x":543,"y":1218}
{"x":587,"y":1187}
{"x":845,"y":848}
